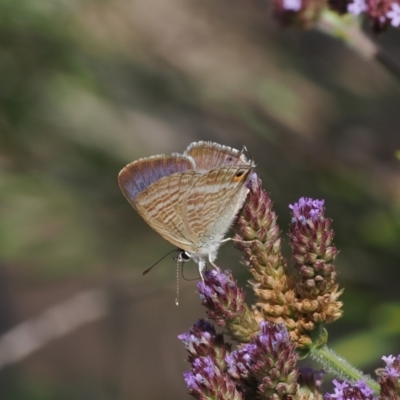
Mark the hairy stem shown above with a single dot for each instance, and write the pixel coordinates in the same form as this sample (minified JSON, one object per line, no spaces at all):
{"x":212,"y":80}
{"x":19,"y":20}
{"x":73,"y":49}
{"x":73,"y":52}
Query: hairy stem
{"x":331,"y":362}
{"x":349,"y":30}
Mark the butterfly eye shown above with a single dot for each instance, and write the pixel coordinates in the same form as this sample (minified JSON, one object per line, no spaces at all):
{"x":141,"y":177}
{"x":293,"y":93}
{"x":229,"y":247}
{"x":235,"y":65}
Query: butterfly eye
{"x":184,"y":255}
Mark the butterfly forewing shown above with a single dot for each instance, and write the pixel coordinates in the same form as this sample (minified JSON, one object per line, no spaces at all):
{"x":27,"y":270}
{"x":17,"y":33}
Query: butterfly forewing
{"x":208,"y":155}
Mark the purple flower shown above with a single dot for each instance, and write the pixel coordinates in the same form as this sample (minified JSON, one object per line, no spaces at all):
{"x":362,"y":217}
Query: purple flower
{"x":311,"y":240}
{"x":357,"y":7}
{"x":202,"y":341}
{"x":306,"y":13}
{"x":206,"y":380}
{"x":307,"y":209}
{"x":201,"y":333}
{"x":345,"y":391}
{"x":207,"y":351}
{"x":382,"y":13}
{"x":394,"y":15}
{"x":389,"y":377}
{"x":291,"y":5}
{"x":392,"y":368}
{"x":221,"y":295}
{"x":240,"y":361}
{"x":267,"y":363}
{"x":389,"y":360}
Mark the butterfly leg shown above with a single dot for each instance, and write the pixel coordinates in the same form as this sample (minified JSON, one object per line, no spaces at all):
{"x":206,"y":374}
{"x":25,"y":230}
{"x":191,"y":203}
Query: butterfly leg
{"x":211,"y":259}
{"x":237,"y":240}
{"x":201,"y":265}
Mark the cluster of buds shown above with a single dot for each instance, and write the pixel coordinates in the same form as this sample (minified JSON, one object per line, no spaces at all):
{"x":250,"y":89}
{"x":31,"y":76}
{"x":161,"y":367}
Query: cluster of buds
{"x":267,"y":365}
{"x":207,"y":352}
{"x":346,"y":391}
{"x":264,"y":368}
{"x":304,"y":302}
{"x":258,"y":237}
{"x":313,"y":252}
{"x":225,"y":304}
{"x":381,"y":13}
{"x":389,"y":378}
{"x":305,"y":13}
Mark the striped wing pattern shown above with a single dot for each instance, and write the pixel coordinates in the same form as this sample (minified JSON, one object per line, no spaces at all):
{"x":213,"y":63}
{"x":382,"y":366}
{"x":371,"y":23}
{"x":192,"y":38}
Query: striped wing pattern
{"x":212,"y":204}
{"x":160,"y":206}
{"x":140,"y":174}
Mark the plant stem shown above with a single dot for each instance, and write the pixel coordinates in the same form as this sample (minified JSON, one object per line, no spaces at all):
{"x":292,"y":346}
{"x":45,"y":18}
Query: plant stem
{"x":348,"y":29}
{"x":331,"y":362}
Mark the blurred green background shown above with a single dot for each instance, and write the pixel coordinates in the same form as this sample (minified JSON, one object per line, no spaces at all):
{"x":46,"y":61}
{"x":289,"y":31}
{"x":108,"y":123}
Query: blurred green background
{"x":88,"y":86}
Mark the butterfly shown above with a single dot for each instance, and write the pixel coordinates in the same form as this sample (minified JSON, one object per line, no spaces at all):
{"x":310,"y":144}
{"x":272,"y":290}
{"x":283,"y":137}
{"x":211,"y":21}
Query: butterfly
{"x":191,"y":199}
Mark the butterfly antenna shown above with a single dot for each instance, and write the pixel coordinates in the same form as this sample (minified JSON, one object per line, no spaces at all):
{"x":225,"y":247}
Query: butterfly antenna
{"x":162,"y":258}
{"x":177,"y":281}
{"x":244,"y":151}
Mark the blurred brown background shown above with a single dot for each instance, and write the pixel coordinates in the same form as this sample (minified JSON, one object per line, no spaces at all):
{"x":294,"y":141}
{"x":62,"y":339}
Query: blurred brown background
{"x":88,"y":86}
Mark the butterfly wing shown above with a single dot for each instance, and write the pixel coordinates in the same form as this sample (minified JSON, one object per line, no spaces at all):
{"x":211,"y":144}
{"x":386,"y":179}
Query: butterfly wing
{"x":209,"y":155}
{"x":212,"y":203}
{"x":156,"y":187}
